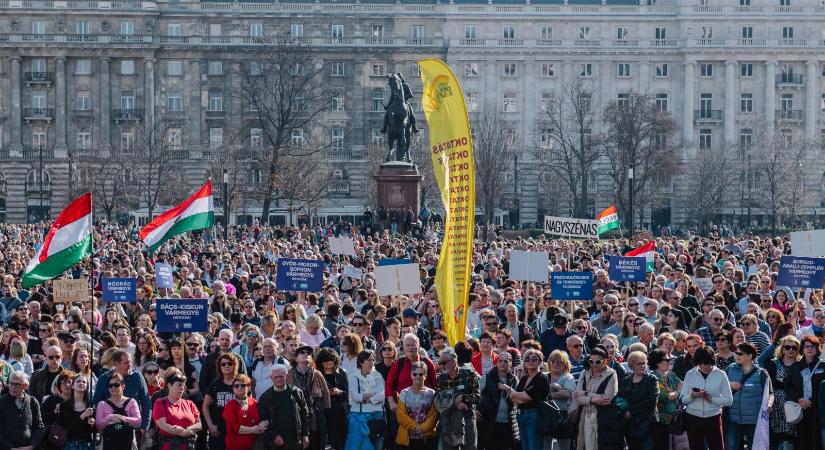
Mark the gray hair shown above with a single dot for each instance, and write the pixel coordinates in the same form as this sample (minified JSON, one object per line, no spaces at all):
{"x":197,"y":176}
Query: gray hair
{"x":276,"y":367}
{"x":448,"y":353}
{"x":20,"y":376}
{"x":410,"y":336}
{"x":647,"y":327}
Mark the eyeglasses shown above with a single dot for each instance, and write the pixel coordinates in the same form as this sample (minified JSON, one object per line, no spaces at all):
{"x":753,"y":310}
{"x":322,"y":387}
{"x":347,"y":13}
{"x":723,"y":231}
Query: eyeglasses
{"x":531,"y":359}
{"x":53,"y":357}
{"x":741,"y":353}
{"x":358,"y":324}
{"x":418,"y":375}
{"x":577,"y":345}
{"x":638,"y":323}
{"x":115,"y":385}
{"x":227,"y":364}
{"x":719,"y":282}
{"x":192,"y":344}
{"x":492,"y":324}
{"x":68,"y":341}
{"x":16,"y":384}
{"x":790,"y":348}
{"x":819,"y":316}
{"x":719,"y":319}
{"x":633,"y":304}
{"x":239,"y":385}
{"x":151,"y":371}
{"x":596,"y":362}
{"x":386,"y":349}
{"x":252,"y":335}
{"x":746,"y":324}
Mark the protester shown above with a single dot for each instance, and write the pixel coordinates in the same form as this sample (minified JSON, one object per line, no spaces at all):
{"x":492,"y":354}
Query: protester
{"x":639,"y":393}
{"x":366,"y":396}
{"x":76,"y":416}
{"x":531,"y":390}
{"x":177,"y":419}
{"x":496,"y":424}
{"x":285,"y":411}
{"x":704,"y":393}
{"x":243,"y":422}
{"x":457,"y":397}
{"x":117,"y":417}
{"x":594,"y":399}
{"x":219,"y":393}
{"x":20,"y":420}
{"x":747,"y":383}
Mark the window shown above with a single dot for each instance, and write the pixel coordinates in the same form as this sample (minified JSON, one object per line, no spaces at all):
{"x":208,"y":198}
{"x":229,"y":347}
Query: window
{"x":705,"y":69}
{"x":84,"y":140}
{"x":745,"y":139}
{"x":255,"y":69}
{"x":256,"y":137}
{"x":784,"y":2}
{"x":174,"y":101}
{"x":822,"y":102}
{"x":746,"y":103}
{"x":39,"y":65}
{"x":174,"y":138}
{"x":336,"y":31}
{"x":584,"y":32}
{"x":470,"y":69}
{"x":546,"y":33}
{"x":378,"y":69}
{"x":127,"y":28}
{"x":418,"y":32}
{"x":471,"y":98}
{"x":38,"y":27}
{"x":338,"y":69}
{"x":174,"y":68}
{"x":39,"y":139}
{"x":548,"y":70}
{"x":127,"y":67}
{"x":127,"y":140}
{"x":744,"y":2}
{"x":469,"y":32}
{"x":510,"y":104}
{"x":83,"y":101}
{"x":337,"y":103}
{"x":509,"y":69}
{"x":83,"y":67}
{"x":296,"y":30}
{"x":662,"y":70}
{"x":585,"y":100}
{"x":623,"y":100}
{"x":509,"y":32}
{"x":81,"y":27}
{"x":338,"y":139}
{"x":747,"y":32}
{"x":586,"y":70}
{"x":173,"y":29}
{"x":706,"y":32}
{"x":746,"y":69}
{"x":660,"y":33}
{"x":378,"y":31}
{"x":215,"y":68}
{"x":127,"y":99}
{"x":786,"y":102}
{"x":256,"y":29}
{"x":215,"y":138}
{"x":215,"y":29}
{"x":215,"y":101}
{"x":546,"y":101}
{"x":300,"y":101}
{"x":661,"y":102}
{"x":378,"y":101}
{"x":39,"y":100}
{"x":257,"y":176}
{"x":622,"y":33}
{"x":623,"y":70}
{"x":297,"y":137}
{"x":706,"y":105}
{"x":376,"y":137}
{"x":705,"y":136}
{"x":787,"y":32}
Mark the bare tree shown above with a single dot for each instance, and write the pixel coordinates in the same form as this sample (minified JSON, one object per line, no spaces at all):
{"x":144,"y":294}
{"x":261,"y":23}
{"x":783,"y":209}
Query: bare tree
{"x":638,"y":137}
{"x":301,"y":183}
{"x":707,"y":190}
{"x":104,"y":176}
{"x":493,"y":148}
{"x":284,"y":90}
{"x":564,"y":145}
{"x":238,"y":162}
{"x":421,"y":156}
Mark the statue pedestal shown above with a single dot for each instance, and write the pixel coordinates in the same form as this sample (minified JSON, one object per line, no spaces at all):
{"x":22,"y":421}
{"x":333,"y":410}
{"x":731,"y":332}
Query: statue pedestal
{"x":399,"y":186}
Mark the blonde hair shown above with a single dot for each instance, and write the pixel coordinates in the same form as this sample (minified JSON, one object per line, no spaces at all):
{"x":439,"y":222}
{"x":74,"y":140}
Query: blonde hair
{"x":790,"y":338}
{"x":635,"y":358}
{"x":18,"y":349}
{"x":562,"y":356}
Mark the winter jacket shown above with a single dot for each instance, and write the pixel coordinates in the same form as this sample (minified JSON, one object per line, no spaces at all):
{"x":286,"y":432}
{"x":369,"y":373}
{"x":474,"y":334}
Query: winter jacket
{"x":716,"y":385}
{"x":747,"y":401}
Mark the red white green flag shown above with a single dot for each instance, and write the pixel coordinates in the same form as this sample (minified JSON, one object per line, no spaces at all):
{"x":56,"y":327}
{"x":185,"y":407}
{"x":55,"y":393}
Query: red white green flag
{"x":195,"y":213}
{"x":647,"y":251}
{"x":608,"y":219}
{"x":68,"y":241}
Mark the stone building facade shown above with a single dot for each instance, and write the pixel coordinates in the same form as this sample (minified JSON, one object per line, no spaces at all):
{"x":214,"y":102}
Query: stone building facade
{"x":79,"y":76}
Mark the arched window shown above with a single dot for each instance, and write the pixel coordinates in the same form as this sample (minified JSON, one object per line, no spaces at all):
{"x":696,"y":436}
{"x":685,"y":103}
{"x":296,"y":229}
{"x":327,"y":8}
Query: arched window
{"x":33,"y":180}
{"x":2,"y":183}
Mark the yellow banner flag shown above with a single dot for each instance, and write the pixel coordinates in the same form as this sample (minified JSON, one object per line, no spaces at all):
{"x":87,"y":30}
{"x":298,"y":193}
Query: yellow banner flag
{"x":452,"y":152}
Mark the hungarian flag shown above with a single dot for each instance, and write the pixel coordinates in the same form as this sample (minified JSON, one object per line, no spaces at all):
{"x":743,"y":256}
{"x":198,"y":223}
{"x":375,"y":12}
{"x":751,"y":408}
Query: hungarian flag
{"x":647,"y":251}
{"x":195,"y":213}
{"x":608,"y":219}
{"x":68,"y":241}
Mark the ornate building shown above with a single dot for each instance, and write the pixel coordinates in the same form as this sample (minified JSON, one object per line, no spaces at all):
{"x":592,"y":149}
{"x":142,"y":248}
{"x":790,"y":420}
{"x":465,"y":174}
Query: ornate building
{"x":80,"y":76}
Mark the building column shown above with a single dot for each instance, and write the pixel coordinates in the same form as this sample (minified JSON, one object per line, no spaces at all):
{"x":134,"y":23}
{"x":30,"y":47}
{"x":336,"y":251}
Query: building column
{"x":15,"y":122}
{"x":770,"y":96}
{"x":194,"y":106}
{"x":105,"y":105}
{"x":811,"y":96}
{"x":730,"y":101}
{"x":644,"y":77}
{"x":689,"y":78}
{"x":60,"y":108}
{"x":149,"y":92}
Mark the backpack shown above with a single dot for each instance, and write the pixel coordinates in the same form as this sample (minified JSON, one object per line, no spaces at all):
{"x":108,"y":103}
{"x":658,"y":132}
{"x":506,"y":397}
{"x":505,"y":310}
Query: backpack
{"x":118,"y":436}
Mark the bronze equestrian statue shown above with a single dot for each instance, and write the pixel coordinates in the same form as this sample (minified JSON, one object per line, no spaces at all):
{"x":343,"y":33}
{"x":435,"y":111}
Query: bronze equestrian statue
{"x":399,"y":119}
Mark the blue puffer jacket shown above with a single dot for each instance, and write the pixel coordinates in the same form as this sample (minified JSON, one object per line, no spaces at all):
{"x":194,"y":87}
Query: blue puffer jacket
{"x":747,"y":400}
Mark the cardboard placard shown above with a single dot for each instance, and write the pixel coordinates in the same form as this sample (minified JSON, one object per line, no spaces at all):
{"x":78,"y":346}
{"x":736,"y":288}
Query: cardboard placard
{"x":342,"y":246}
{"x":808,"y":243}
{"x":70,"y":290}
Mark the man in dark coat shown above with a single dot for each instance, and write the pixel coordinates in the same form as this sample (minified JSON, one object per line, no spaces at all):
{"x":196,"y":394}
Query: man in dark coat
{"x":20,"y":420}
{"x":285,"y":409}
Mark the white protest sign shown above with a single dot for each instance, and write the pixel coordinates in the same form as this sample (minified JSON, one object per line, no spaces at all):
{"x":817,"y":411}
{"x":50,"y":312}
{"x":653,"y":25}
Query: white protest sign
{"x":808,"y":243}
{"x":398,"y":279}
{"x":342,"y":246}
{"x":353,"y":272}
{"x":529,"y":266}
{"x":565,"y":226}
{"x":704,"y":284}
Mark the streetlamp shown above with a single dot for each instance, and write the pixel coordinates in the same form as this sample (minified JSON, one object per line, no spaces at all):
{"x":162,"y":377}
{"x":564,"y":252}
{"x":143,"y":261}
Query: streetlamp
{"x":225,"y":205}
{"x":630,"y":201}
{"x":40,"y":150}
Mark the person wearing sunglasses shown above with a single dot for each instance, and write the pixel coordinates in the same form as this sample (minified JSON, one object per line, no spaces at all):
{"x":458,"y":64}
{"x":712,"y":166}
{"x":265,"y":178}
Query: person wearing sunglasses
{"x":118,"y":416}
{"x":243,"y":422}
{"x":177,"y":419}
{"x":594,"y":403}
{"x":416,"y":413}
{"x":747,"y":383}
{"x":216,"y":397}
{"x":750,"y":326}
{"x":779,"y":368}
{"x":817,"y":327}
{"x":668,"y":399}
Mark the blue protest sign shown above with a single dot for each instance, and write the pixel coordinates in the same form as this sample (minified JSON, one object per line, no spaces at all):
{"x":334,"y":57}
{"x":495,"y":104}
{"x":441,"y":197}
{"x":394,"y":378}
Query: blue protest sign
{"x":393,"y":262}
{"x":300,"y":275}
{"x":628,"y":268}
{"x":119,"y":289}
{"x":175,"y":315}
{"x":572,"y":285}
{"x":799,"y":272}
{"x":163,"y":276}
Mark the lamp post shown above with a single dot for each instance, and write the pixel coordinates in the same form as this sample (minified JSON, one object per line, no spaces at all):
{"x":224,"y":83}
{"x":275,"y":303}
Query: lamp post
{"x":40,"y":157}
{"x":630,"y":202}
{"x":225,"y":205}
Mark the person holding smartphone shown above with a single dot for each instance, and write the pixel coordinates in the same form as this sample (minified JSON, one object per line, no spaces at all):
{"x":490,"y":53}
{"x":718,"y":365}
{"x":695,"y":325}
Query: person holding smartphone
{"x":704,"y":393}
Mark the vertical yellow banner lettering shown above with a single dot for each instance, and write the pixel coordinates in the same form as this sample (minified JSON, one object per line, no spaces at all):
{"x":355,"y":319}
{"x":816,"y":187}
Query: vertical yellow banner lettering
{"x":452,"y":153}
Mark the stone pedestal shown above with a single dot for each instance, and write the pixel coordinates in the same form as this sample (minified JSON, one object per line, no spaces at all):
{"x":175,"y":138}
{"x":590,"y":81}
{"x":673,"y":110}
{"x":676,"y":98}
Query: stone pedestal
{"x":399,"y":186}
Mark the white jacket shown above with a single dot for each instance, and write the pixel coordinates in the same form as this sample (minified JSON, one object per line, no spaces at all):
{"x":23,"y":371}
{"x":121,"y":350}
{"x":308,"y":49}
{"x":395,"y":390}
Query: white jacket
{"x":716,"y":385}
{"x":359,"y":385}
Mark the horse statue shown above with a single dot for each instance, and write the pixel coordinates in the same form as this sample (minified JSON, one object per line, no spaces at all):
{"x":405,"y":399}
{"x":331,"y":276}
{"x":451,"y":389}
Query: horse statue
{"x":399,"y":120}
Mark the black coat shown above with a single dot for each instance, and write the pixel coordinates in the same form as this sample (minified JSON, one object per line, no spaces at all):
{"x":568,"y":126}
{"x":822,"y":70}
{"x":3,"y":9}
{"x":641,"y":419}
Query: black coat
{"x":19,"y":428}
{"x":490,"y":398}
{"x":641,"y":398}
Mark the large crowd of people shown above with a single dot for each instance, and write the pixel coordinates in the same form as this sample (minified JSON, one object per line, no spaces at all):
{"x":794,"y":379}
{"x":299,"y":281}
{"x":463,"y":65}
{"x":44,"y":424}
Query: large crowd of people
{"x":680,"y":360}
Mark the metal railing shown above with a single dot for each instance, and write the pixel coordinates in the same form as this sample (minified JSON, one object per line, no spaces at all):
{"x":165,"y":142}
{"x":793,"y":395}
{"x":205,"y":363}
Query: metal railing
{"x":39,"y":77}
{"x":789,"y":78}
{"x":707,"y":115}
{"x":38,"y":113}
{"x":789,"y":114}
{"x":127,"y":114}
